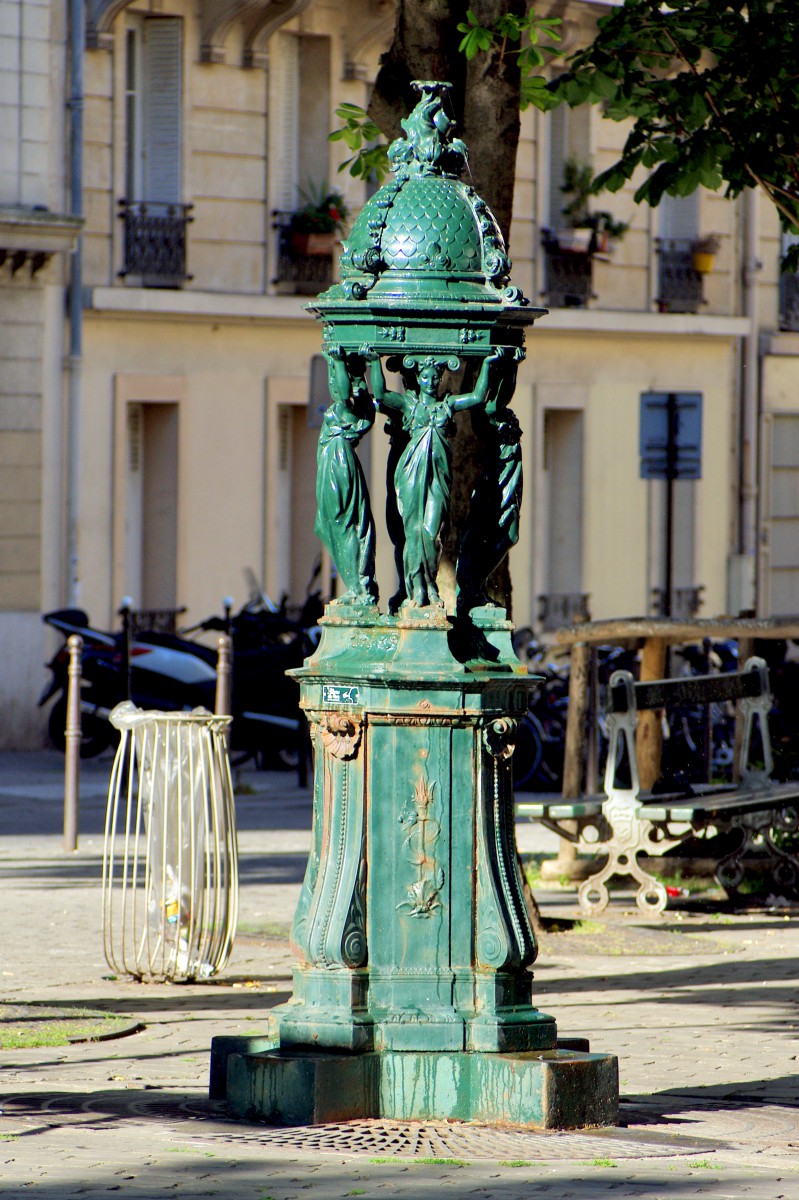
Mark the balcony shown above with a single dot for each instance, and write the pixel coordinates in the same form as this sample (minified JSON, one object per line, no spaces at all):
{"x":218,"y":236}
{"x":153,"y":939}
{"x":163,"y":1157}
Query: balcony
{"x":679,"y":283}
{"x":304,"y":263}
{"x":685,"y":602}
{"x":569,"y":270}
{"x":155,"y":243}
{"x":556,"y":609}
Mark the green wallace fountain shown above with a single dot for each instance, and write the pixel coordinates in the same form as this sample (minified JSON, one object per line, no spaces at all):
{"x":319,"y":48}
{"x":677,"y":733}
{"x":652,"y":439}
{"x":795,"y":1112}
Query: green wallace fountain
{"x":412,"y":997}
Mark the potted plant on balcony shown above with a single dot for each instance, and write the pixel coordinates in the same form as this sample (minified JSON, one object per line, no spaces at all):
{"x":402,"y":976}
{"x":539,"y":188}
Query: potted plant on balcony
{"x":587,"y":232}
{"x":314,"y":228}
{"x":704,"y":251}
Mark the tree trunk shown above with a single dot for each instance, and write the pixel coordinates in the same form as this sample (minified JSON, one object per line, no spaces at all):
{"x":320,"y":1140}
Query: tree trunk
{"x":485,"y":103}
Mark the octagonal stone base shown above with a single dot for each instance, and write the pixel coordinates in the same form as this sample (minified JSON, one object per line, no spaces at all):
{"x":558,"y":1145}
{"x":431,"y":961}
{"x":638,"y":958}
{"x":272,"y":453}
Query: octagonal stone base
{"x":551,"y":1089}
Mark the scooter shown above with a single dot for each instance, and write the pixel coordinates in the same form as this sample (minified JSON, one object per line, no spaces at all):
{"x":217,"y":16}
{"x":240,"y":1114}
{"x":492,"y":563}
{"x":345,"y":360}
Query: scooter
{"x":153,"y":676}
{"x":267,"y":723}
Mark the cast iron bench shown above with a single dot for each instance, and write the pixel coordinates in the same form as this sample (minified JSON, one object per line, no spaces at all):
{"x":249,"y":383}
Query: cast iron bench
{"x":625,"y":822}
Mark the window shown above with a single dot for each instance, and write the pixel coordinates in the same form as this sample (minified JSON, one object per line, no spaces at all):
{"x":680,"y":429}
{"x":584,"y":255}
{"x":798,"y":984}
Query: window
{"x":789,"y":290}
{"x":569,"y":269}
{"x":299,"y":162}
{"x":154,"y":215}
{"x":679,"y":285}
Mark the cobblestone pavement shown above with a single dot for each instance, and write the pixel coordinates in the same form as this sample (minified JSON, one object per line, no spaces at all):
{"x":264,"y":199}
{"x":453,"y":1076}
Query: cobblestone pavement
{"x":702,"y":1010}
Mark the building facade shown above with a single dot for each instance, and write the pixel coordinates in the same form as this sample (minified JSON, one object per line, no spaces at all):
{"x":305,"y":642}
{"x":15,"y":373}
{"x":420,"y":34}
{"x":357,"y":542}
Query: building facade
{"x":177,"y":450}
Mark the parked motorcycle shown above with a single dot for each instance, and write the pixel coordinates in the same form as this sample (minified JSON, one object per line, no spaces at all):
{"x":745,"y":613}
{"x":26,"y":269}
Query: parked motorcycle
{"x":168,"y":678}
{"x":267,"y":642}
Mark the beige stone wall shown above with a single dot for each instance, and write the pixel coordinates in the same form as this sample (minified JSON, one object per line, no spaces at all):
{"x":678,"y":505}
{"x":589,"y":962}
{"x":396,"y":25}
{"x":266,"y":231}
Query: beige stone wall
{"x":232,"y":355}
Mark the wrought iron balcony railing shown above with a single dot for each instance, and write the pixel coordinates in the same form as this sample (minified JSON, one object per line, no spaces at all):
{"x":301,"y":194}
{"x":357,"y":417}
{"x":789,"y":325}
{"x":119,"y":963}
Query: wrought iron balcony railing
{"x":305,"y":262}
{"x":789,"y":303}
{"x":556,"y":609}
{"x":685,"y":601}
{"x":155,"y":242}
{"x":569,"y":274}
{"x":679,"y":284}
{"x":154,"y":620}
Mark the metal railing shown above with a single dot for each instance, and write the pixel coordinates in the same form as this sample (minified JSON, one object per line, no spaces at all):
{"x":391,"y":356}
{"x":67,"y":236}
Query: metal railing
{"x":679,"y":284}
{"x":308,"y":274}
{"x":562,"y":608}
{"x":685,"y":601}
{"x":154,"y":620}
{"x":155,"y":242}
{"x":569,"y":275}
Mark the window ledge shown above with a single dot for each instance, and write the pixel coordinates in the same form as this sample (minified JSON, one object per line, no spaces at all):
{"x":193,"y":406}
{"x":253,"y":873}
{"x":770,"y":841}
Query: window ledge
{"x":130,"y":302}
{"x":37,"y":230}
{"x":644,"y":324}
{"x":191,"y":305}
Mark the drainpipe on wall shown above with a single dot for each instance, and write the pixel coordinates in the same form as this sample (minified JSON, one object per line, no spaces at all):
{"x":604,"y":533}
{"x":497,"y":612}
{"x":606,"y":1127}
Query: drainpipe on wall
{"x":77,"y":42}
{"x":743,"y":572}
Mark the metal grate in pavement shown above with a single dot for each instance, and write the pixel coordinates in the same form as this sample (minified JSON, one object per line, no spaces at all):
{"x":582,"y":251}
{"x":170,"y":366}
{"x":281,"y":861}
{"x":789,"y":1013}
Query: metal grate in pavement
{"x":203,"y":1121}
{"x":463,"y":1142}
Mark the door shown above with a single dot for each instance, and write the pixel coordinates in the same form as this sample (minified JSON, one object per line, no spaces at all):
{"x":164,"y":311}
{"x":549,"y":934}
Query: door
{"x":151,"y":525}
{"x":779,"y":556}
{"x":563,"y":491}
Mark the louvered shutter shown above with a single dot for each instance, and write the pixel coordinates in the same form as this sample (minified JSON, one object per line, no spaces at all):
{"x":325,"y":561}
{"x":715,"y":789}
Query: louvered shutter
{"x":285,"y":131}
{"x":679,"y":217}
{"x":161,"y":150}
{"x":558,"y":153}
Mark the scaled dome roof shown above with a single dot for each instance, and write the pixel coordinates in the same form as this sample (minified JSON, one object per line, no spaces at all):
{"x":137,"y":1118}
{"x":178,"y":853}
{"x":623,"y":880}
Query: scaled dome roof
{"x":425,"y":233}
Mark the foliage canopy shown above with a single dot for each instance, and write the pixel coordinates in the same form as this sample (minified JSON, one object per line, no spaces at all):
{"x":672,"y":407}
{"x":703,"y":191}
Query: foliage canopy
{"x":712,"y":88}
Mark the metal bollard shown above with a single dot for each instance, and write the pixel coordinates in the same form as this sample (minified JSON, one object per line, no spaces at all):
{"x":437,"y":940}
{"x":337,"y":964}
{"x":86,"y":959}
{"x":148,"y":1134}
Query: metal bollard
{"x":73,"y":739}
{"x":224,"y":681}
{"x":125,"y":608}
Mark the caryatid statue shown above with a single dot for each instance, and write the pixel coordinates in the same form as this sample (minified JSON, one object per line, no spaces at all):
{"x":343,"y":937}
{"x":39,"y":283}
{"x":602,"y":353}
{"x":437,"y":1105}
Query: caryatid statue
{"x":492,"y":527}
{"x":423,"y":475}
{"x":343,"y":517}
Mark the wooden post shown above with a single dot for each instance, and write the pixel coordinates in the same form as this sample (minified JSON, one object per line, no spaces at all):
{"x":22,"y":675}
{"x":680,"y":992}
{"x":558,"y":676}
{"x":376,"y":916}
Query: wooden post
{"x":574,"y":753}
{"x":72,"y":737}
{"x":649,"y":734}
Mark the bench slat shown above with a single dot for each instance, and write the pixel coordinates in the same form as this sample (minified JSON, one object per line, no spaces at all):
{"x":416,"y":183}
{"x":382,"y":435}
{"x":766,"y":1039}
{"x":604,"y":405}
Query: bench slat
{"x":738,"y":800}
{"x":559,"y":810}
{"x":693,"y":689}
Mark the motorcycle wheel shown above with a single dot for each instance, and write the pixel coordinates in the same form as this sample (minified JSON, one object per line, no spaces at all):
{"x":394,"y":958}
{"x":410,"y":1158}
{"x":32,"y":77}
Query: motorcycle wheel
{"x":96,"y":735}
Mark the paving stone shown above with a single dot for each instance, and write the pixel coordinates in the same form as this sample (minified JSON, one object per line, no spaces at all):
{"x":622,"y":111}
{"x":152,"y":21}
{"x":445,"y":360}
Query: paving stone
{"x":706,"y":1028}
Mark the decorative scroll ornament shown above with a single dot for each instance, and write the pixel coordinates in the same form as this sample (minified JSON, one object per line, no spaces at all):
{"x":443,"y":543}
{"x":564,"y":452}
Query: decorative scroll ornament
{"x":499,"y":737}
{"x":341,"y":734}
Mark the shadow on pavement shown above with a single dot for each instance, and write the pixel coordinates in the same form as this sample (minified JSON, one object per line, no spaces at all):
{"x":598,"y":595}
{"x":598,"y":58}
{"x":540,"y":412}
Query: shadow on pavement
{"x":216,"y":1153}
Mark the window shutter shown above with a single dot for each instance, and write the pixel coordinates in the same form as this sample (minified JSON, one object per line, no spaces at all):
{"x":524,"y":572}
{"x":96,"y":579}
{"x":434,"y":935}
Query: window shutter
{"x":285,"y":132}
{"x":162,"y":111}
{"x":679,"y":217}
{"x":558,"y":153}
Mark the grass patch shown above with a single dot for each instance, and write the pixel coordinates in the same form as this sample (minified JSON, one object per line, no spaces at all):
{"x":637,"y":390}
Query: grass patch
{"x":440,"y":1162}
{"x":692,"y":883}
{"x":516,"y":1162}
{"x":589,"y":927}
{"x":29,"y":1026}
{"x":603,"y":1162}
{"x":532,"y":868}
{"x":264,"y":929}
{"x":423,"y":1162}
{"x":703,"y":1165}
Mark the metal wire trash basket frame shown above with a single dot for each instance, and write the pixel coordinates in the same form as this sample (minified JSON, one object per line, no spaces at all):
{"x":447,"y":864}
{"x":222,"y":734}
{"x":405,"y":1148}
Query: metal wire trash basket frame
{"x":170,"y":890}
